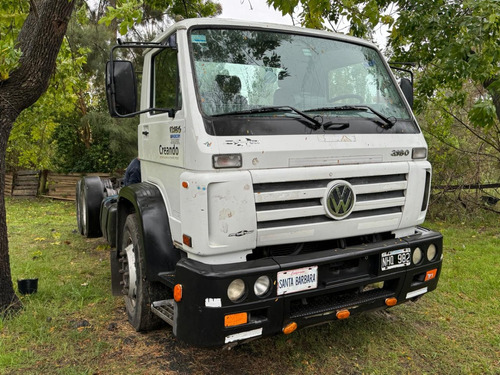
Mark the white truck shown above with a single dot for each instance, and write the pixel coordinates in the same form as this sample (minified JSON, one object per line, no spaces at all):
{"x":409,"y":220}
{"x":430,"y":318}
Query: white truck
{"x":284,"y":179}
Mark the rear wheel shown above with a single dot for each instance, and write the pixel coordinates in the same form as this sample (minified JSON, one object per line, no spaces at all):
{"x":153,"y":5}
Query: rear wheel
{"x":90,"y":193}
{"x":79,"y":207}
{"x":139,"y":292}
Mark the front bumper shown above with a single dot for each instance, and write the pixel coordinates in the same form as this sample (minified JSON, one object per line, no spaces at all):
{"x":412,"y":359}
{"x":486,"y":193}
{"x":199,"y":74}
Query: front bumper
{"x":350,"y":278}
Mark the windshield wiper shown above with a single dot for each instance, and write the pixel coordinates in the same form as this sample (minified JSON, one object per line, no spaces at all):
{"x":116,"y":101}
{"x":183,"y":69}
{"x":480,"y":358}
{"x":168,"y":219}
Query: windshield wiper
{"x":338,"y":125}
{"x":386,"y":123}
{"x":313,"y":123}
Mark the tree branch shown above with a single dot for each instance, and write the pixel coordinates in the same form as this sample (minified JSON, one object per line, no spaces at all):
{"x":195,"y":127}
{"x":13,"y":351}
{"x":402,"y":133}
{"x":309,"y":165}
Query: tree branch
{"x":470,"y":129}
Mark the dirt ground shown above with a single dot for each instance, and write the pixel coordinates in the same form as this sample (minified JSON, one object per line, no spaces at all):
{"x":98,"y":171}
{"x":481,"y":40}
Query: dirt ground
{"x":159,"y":352}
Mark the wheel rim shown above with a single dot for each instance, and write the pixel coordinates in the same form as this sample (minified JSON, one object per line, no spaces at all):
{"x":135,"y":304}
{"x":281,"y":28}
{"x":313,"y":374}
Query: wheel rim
{"x":79,"y":210}
{"x":129,"y":273}
{"x":83,"y":211}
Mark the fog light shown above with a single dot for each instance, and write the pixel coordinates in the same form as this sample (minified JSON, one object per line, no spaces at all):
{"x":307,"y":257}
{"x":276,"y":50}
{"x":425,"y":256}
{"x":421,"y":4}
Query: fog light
{"x":227,"y":161}
{"x":262,"y":286}
{"x":431,"y":252}
{"x":417,"y":256}
{"x":236,"y":290}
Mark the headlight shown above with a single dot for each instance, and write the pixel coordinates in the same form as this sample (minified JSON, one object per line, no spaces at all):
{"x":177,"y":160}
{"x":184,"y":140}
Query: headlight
{"x":417,"y":256}
{"x":431,"y":252}
{"x":262,"y":286}
{"x":236,"y":290}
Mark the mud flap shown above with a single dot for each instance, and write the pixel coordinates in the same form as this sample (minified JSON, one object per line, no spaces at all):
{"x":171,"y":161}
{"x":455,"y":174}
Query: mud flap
{"x":116,"y":277}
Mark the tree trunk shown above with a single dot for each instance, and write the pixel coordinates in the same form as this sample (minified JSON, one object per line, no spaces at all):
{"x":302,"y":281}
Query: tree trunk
{"x":8,"y":299}
{"x":495,"y":94}
{"x":39,"y":40}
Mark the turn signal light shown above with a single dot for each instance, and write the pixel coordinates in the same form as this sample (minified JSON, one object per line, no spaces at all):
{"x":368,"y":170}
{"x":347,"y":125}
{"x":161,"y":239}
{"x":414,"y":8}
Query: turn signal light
{"x":431,"y":274}
{"x":186,"y":240}
{"x":343,"y":314}
{"x":289,"y":328}
{"x":391,"y":301}
{"x":177,"y":292}
{"x":235,"y":319}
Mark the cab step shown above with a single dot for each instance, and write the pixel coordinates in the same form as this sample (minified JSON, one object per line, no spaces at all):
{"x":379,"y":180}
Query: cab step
{"x":165,"y":310}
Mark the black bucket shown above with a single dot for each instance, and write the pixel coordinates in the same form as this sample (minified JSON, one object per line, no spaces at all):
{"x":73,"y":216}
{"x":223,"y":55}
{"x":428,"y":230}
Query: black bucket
{"x":27,"y":286}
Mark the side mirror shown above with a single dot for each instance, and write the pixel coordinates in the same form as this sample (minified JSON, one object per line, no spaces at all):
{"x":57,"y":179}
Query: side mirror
{"x":121,"y":89}
{"x":407,"y":88}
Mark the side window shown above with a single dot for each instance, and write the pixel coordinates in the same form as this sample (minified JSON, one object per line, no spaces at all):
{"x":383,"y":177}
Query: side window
{"x":166,"y":88}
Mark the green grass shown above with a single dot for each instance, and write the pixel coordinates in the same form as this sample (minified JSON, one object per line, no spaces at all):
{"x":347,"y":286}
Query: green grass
{"x":74,"y":326}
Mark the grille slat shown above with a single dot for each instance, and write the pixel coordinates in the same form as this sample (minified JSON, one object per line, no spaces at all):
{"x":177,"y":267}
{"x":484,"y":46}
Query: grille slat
{"x":292,"y":203}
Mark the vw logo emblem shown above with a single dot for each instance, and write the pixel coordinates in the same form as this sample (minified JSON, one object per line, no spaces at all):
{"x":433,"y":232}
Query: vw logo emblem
{"x":339,"y":200}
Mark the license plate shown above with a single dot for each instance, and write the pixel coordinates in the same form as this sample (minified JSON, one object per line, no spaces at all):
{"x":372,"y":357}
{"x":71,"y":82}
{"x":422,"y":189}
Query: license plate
{"x":395,"y":259}
{"x":297,"y":280}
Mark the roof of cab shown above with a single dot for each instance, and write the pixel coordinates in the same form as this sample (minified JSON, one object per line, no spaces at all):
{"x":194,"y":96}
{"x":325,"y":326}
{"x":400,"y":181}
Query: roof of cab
{"x":192,"y":22}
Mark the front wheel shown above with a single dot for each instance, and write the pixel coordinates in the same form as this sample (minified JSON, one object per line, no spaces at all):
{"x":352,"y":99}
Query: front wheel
{"x":139,"y":292}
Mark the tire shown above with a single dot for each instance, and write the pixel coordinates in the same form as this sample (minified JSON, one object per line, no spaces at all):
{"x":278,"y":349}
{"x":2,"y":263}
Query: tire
{"x":89,"y":206}
{"x":79,"y":207}
{"x":139,"y":292}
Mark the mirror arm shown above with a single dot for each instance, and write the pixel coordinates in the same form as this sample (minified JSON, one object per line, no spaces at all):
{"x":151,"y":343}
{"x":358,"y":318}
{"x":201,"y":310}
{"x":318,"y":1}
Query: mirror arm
{"x":413,"y":64}
{"x":170,"y":111}
{"x":136,"y":45}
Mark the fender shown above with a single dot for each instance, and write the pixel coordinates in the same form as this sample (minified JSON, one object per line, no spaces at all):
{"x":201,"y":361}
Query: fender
{"x":147,"y":202}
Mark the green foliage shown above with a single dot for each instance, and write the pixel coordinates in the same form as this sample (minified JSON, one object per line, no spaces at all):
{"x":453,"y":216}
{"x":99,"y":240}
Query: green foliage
{"x":112,"y":145}
{"x":363,"y":15}
{"x":12,"y":16}
{"x":30,"y":143}
{"x":132,"y":12}
{"x":453,"y":42}
{"x":128,"y":11}
{"x":461,"y":153}
{"x":482,"y":114}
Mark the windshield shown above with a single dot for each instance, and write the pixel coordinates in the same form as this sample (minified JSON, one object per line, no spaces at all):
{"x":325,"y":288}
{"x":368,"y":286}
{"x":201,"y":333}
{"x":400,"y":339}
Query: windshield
{"x":239,"y":71}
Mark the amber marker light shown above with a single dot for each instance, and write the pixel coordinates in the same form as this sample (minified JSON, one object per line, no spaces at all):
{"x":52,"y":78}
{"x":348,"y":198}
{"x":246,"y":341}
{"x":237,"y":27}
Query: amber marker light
{"x":185,"y":185}
{"x":391,"y":301}
{"x":186,"y":240}
{"x":343,"y":314}
{"x":289,"y":328}
{"x":430,"y":274}
{"x":232,"y":320}
{"x":177,"y":292}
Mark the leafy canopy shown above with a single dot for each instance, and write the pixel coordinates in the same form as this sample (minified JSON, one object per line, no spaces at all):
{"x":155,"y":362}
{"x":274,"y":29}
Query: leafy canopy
{"x":12,"y":16}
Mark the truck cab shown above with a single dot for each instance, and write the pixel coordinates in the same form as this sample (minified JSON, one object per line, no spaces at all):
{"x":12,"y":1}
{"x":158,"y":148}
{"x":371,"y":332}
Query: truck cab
{"x":284,"y":181}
